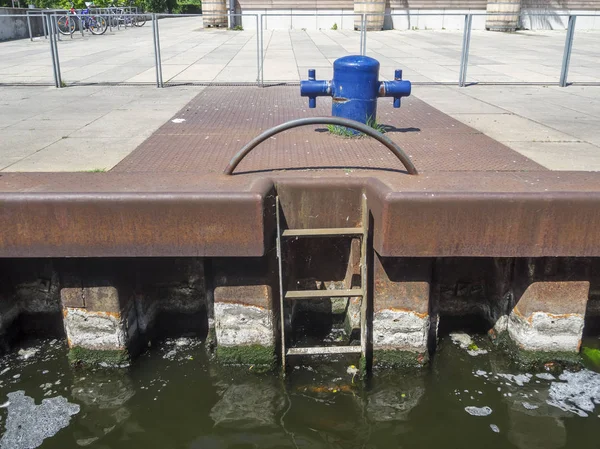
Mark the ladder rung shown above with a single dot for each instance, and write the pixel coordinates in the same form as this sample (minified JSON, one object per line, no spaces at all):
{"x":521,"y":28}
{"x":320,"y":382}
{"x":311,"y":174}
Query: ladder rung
{"x":324,"y":350}
{"x":308,"y":294}
{"x":322,"y":232}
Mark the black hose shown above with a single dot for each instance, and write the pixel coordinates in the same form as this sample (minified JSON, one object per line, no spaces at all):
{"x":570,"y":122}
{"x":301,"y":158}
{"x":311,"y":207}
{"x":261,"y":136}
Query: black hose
{"x":338,"y":121}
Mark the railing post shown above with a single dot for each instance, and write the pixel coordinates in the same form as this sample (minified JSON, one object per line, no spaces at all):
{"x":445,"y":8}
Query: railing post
{"x":464,"y":57}
{"x":363,"y":50}
{"x":564,"y":72}
{"x":361,"y":35}
{"x":160,"y":74}
{"x":156,"y":62}
{"x":51,"y":42}
{"x":53,"y":32}
{"x":29,"y":26}
{"x":44,"y":25}
{"x":262,"y":53}
{"x":257,"y":49}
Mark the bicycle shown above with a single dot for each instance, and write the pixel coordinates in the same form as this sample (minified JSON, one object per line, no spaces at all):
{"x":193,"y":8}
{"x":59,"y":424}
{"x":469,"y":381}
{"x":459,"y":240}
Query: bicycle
{"x":119,"y":16}
{"x":94,"y":24}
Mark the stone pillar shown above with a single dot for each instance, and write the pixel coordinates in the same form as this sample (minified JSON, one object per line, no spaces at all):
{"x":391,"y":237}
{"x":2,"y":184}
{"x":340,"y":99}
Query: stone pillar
{"x":550,"y":302}
{"x":503,"y":15}
{"x":401,"y":321}
{"x":244,"y":316}
{"x":101,"y":323}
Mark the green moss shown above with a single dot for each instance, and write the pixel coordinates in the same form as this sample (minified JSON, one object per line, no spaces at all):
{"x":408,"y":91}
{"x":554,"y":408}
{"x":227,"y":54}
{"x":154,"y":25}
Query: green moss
{"x":84,"y":356}
{"x":540,"y":360}
{"x":399,"y":359}
{"x":362,"y":367}
{"x":591,"y":357}
{"x":262,"y":358}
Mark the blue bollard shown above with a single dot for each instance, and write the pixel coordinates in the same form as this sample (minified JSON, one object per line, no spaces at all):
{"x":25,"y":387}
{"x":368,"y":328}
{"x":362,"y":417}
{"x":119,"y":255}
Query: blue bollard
{"x":355,"y":87}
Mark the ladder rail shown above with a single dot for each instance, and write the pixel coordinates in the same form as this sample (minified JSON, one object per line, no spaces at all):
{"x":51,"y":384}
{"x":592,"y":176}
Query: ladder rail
{"x":363,"y":279}
{"x":281,"y":292}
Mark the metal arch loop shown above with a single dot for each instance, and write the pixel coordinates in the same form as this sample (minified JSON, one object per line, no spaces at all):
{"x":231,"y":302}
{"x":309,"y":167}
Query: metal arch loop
{"x":338,"y":121}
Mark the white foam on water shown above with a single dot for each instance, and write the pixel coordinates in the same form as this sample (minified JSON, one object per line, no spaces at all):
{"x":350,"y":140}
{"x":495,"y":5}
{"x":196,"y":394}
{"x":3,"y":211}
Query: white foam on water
{"x":519,"y":379}
{"x":495,"y":428}
{"x":478,"y":411}
{"x":529,"y":406}
{"x":578,"y":392}
{"x":545,"y":376}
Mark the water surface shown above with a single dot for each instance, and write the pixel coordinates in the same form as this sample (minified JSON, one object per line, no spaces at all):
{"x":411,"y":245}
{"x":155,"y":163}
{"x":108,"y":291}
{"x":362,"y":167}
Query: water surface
{"x":174,"y":397}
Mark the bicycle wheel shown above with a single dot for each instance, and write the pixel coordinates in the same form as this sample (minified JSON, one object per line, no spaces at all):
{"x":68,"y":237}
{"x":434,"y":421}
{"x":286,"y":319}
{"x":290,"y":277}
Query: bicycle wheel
{"x":139,"y":21}
{"x":97,"y":25}
{"x":66,"y":25}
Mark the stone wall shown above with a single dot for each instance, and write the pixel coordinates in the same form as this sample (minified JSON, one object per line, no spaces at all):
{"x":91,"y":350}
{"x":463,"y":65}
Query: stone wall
{"x":17,"y":27}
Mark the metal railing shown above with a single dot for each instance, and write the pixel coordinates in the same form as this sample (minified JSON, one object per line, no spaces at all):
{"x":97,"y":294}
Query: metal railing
{"x":466,"y":39}
{"x":50,"y":28}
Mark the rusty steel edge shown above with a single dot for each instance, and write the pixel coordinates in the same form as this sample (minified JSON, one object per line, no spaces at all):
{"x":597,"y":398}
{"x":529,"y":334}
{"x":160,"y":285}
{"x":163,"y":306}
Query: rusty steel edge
{"x":241,"y":224}
{"x":132,"y":224}
{"x":523,"y":224}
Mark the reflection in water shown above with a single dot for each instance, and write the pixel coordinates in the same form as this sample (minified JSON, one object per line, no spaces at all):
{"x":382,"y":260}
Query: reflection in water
{"x":103,"y":395}
{"x":393,"y":400}
{"x":247,"y":406}
{"x":535,"y":432}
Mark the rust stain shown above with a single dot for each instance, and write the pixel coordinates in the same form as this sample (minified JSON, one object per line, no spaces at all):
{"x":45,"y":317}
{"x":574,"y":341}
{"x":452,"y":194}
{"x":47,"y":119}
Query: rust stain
{"x":403,"y":310}
{"x":340,"y":100}
{"x":553,"y":316}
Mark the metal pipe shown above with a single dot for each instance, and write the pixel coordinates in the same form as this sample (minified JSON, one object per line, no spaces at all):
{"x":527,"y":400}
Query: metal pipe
{"x":564,"y":71}
{"x":155,"y":48}
{"x":363,"y":50}
{"x":56,"y":53}
{"x":29,"y":26}
{"x":338,"y":121}
{"x":44,"y":26}
{"x":49,"y":24}
{"x":361,"y":35}
{"x":262,"y":53}
{"x":160,"y":77}
{"x":257,"y":52}
{"x":464,"y":57}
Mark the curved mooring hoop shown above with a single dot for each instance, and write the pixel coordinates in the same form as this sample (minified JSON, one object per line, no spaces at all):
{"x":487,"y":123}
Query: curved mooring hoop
{"x":338,"y":121}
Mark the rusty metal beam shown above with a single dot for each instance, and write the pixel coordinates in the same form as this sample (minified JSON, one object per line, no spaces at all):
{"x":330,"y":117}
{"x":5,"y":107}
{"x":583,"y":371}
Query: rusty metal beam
{"x":131,"y":224}
{"x":436,"y":215}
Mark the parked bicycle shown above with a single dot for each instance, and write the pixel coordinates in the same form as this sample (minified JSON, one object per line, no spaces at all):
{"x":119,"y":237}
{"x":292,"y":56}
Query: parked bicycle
{"x":87,"y":21}
{"x":122,"y":15}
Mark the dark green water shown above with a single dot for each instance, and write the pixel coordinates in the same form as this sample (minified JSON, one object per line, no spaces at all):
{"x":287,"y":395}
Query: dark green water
{"x":173,"y":397}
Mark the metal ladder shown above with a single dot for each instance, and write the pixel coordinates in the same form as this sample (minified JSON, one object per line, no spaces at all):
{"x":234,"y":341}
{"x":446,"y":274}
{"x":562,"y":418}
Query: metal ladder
{"x":284,"y":295}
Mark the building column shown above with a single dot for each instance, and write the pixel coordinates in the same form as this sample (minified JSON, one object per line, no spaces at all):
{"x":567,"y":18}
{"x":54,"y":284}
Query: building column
{"x":503,"y":15}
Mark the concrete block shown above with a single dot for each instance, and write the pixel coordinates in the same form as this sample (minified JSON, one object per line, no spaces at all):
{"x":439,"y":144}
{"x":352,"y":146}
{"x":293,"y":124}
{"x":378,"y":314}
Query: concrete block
{"x":549,"y":316}
{"x":244,"y":323}
{"x":401,"y":321}
{"x":101,"y":324}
